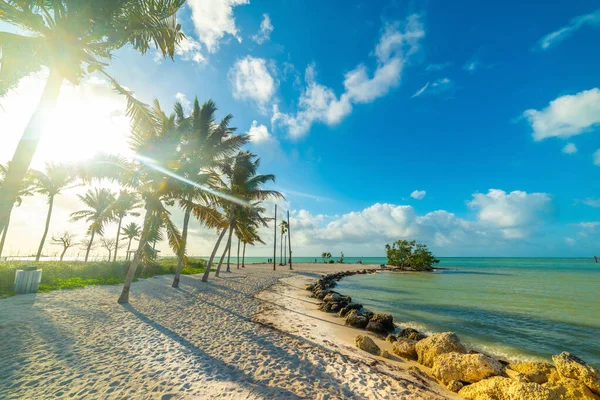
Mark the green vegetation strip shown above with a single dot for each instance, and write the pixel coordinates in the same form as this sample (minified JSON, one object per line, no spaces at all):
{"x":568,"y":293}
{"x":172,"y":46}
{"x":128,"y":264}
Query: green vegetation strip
{"x":74,"y":274}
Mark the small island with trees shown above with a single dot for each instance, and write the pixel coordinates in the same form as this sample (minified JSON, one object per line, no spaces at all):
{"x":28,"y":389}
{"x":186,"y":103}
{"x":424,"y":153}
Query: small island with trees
{"x":410,"y":256}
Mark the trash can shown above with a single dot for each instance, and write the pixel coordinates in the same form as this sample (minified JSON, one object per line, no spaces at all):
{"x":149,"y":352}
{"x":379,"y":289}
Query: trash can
{"x":27,"y":280}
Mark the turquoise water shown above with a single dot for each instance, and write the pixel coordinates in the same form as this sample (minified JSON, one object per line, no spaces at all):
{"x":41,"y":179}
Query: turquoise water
{"x":519,"y":308}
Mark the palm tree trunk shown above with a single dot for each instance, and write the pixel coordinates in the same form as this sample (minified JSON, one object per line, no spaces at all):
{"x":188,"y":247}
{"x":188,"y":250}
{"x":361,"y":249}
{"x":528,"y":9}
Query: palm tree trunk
{"x":275,"y":239}
{"x":87,"y":253}
{"x":284,"y":250}
{"x":244,"y":256}
{"x":128,"y":247}
{"x":186,"y":220}
{"x":238,"y":254}
{"x":63,"y":253}
{"x":281,"y":249}
{"x":124,"y":297}
{"x":212,"y":256}
{"x":229,"y":255}
{"x":4,"y":232}
{"x":221,"y":261}
{"x":117,"y":240}
{"x":27,"y":146}
{"x":50,"y":205}
{"x":289,"y":237}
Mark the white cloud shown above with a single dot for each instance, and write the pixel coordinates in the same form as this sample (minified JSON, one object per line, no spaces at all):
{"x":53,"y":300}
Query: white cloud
{"x":566,"y":31}
{"x":213,"y":19}
{"x":569,"y":241}
{"x":596,"y":157}
{"x":185,"y":103}
{"x":566,"y":116}
{"x":251,"y":80}
{"x":319,"y":103}
{"x":515,"y":213}
{"x":189,"y":49}
{"x":437,"y":67}
{"x":591,"y":202}
{"x":259,"y":133}
{"x":471,"y":66}
{"x":418,"y":194}
{"x":589,"y":225}
{"x":440,"y":85}
{"x":264,"y":33}
{"x":420,"y":91}
{"x":569,"y":148}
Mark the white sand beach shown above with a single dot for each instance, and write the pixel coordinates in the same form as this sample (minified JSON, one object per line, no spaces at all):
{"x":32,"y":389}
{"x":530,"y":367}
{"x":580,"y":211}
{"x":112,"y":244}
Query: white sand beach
{"x":204,"y":340}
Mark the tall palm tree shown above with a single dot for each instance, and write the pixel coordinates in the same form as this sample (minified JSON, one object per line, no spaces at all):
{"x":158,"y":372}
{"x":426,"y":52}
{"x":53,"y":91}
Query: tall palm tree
{"x":242,"y":186}
{"x":99,"y":213}
{"x":72,"y":39}
{"x":50,"y":182}
{"x":283,"y":226}
{"x":123,"y":206}
{"x":131,"y":231}
{"x":24,"y":191}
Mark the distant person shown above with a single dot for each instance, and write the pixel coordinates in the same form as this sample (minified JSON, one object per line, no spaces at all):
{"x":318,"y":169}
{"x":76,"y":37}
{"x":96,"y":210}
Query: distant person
{"x":596,"y":258}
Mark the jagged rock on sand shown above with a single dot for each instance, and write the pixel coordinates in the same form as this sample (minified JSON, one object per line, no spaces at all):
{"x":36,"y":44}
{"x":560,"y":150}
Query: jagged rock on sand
{"x":465,"y":367}
{"x":391,"y":338}
{"x":385,"y":354}
{"x":537,"y":372}
{"x":367,"y":344}
{"x":571,"y":389}
{"x":454,"y":386}
{"x":570,"y":366}
{"x":405,"y":348}
{"x":516,"y":376}
{"x":500,"y":388}
{"x":376,"y":327}
{"x":412,"y":334}
{"x":356,"y":319}
{"x":352,"y":306}
{"x":386,"y":320}
{"x":440,"y":343}
{"x":333,"y":296}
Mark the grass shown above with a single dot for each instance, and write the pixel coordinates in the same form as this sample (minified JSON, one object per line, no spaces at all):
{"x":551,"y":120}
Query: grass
{"x":75,"y":274}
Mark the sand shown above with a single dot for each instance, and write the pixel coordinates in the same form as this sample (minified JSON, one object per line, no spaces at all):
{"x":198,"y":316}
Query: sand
{"x":228,"y":338}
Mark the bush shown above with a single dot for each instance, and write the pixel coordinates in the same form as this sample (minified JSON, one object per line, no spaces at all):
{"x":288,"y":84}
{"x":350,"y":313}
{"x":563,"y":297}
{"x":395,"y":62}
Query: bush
{"x":410,"y":255}
{"x":331,"y":262}
{"x":74,"y":274}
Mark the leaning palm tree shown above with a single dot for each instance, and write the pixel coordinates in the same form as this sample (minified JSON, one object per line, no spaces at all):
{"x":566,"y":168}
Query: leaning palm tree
{"x":50,"y":182}
{"x":242,"y":186}
{"x":99,"y":213}
{"x":72,"y":39}
{"x":130,"y":231}
{"x":283,"y":226}
{"x":24,"y":191}
{"x":123,"y":206}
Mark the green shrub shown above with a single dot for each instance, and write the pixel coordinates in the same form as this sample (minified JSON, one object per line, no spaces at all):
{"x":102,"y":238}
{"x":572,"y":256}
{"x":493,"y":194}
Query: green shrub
{"x":410,"y":255}
{"x":331,"y":262}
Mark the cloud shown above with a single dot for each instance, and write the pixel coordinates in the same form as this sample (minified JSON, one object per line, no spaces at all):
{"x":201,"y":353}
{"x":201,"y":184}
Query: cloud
{"x":251,"y":80}
{"x":471,"y":66}
{"x":189,"y":49}
{"x":185,"y":103}
{"x":591,"y":202}
{"x":259,"y":133}
{"x":264,"y":33}
{"x":589,"y":225}
{"x":418,"y":194}
{"x":437,"y":67}
{"x":569,"y":148}
{"x":569,"y":241}
{"x":515,"y":213}
{"x":596,"y":157}
{"x":574,"y":24}
{"x":438,"y":86}
{"x":213,"y":19}
{"x":319,"y":103}
{"x":420,"y":91}
{"x":566,"y":116}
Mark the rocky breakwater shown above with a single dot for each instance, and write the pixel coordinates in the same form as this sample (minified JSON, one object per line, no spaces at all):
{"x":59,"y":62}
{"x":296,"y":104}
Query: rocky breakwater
{"x":471,"y":374}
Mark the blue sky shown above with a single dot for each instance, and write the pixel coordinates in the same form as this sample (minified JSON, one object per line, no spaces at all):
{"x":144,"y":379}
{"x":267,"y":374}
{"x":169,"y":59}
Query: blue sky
{"x":358,"y":104}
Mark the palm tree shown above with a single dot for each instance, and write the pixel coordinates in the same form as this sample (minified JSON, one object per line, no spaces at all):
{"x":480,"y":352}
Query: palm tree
{"x":283,"y":226}
{"x":100,"y":212}
{"x":242,"y":185}
{"x":131,"y":231}
{"x":126,"y":202}
{"x":24,"y":191}
{"x":72,"y":39}
{"x":50,"y":182}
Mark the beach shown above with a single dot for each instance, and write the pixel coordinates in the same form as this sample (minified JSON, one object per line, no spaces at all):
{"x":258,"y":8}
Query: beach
{"x":251,"y":333}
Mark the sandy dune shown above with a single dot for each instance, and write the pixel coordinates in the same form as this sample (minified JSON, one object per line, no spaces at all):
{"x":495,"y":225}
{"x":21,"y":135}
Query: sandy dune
{"x":199,"y":341}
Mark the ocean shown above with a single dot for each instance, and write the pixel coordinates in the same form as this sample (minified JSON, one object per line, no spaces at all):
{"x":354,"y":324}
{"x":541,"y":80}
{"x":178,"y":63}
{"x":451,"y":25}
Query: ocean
{"x":516,"y":308}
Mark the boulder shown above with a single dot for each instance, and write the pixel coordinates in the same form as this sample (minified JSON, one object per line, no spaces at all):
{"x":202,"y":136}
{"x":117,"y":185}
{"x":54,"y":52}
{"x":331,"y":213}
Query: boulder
{"x":333,"y":296}
{"x":367,"y":344}
{"x":571,"y":389}
{"x":500,"y":388}
{"x":351,"y":306}
{"x":412,"y":334}
{"x":385,"y":354}
{"x":454,"y":386}
{"x":537,"y":372}
{"x":440,"y":343}
{"x":465,"y":367}
{"x":386,"y":320}
{"x":405,"y":348}
{"x":356,"y":319}
{"x":516,"y":376}
{"x":376,"y":327}
{"x":391,"y":338}
{"x":570,"y":366}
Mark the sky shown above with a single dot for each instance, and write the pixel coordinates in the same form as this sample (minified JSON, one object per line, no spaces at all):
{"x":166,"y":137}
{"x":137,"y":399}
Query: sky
{"x":469,"y":126}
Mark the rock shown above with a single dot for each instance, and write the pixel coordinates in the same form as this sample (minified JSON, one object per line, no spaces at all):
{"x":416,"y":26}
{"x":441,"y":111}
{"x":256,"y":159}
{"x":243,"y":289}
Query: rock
{"x":500,"y":388}
{"x":385,"y":354}
{"x":356,"y":319}
{"x":376,"y":327}
{"x":351,"y":306}
{"x":367,"y":344}
{"x":405,"y":348}
{"x":465,"y":367}
{"x":391,"y":338}
{"x":516,"y":376}
{"x":333,"y":296}
{"x":412,"y":334}
{"x":440,"y":343}
{"x":537,"y":372}
{"x":310,"y":287}
{"x":570,"y":366}
{"x":571,"y":389}
{"x":386,"y":320}
{"x":454,"y":386}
